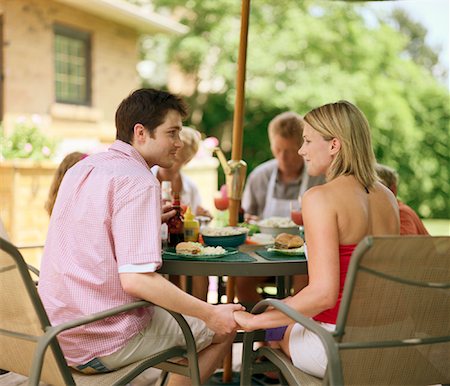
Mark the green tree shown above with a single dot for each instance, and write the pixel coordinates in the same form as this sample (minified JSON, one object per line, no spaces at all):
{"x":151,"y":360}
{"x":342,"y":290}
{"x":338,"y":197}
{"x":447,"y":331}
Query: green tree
{"x":304,"y":54}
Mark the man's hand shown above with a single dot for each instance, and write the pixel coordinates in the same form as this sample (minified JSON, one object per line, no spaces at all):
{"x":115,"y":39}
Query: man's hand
{"x":167,"y":212}
{"x":251,"y":217}
{"x":221,"y":320}
{"x":244,"y":320}
{"x":203,"y":212}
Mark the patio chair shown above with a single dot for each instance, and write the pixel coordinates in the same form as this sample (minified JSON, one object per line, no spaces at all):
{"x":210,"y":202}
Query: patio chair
{"x":393,"y":326}
{"x":28,"y":340}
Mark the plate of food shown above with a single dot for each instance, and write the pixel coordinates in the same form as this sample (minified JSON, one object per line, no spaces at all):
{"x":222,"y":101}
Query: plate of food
{"x":191,"y":250}
{"x":261,"y":239}
{"x":287,"y":244}
{"x":277,"y":225}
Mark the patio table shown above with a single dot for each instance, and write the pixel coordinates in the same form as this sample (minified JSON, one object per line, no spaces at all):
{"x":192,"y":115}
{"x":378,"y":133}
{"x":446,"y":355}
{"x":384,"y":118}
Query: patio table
{"x":250,"y":263}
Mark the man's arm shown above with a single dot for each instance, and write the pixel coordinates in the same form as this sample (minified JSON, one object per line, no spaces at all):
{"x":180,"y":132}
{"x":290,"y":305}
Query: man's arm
{"x":156,"y":289}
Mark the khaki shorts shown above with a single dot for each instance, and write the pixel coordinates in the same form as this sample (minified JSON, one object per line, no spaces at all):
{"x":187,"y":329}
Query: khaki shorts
{"x":162,"y":333}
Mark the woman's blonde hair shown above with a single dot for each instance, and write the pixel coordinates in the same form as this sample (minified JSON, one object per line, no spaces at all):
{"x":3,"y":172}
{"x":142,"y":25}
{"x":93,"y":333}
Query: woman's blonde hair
{"x":344,"y":121}
{"x":191,"y":140}
{"x":68,"y":161}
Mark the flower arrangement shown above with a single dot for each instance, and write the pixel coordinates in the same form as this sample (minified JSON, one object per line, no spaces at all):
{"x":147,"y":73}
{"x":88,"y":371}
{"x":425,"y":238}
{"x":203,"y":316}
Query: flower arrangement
{"x":26,"y":141}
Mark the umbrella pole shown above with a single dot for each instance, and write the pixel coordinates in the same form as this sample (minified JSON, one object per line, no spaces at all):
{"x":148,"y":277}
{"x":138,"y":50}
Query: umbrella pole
{"x":236,"y":153}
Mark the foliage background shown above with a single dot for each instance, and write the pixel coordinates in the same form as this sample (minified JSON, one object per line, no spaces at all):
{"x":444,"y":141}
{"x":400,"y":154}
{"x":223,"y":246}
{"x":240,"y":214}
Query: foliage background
{"x":302,"y":54}
{"x":26,"y":141}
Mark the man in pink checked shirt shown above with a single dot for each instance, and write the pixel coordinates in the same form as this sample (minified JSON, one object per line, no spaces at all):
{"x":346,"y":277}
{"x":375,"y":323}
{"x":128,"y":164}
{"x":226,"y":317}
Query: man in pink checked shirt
{"x":103,"y":249}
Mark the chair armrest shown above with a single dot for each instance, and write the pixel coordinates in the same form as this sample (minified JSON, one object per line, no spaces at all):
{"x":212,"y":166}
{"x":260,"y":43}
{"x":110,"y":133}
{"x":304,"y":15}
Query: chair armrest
{"x":294,"y":315}
{"x":327,"y":338}
{"x":52,"y":331}
{"x":55,"y":330}
{"x":33,"y":269}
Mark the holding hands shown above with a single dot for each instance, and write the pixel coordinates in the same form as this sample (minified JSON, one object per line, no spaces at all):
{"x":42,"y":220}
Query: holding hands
{"x":244,"y":320}
{"x":222,"y":320}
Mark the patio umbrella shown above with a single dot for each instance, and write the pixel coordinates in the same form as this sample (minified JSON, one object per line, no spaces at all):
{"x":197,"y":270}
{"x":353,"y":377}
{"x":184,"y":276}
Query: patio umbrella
{"x":238,"y":167}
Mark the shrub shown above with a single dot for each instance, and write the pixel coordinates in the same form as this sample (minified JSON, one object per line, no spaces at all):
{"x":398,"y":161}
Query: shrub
{"x":26,"y":141}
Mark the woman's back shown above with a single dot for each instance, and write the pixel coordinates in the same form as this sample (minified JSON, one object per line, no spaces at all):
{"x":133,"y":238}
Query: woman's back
{"x":361,"y":212}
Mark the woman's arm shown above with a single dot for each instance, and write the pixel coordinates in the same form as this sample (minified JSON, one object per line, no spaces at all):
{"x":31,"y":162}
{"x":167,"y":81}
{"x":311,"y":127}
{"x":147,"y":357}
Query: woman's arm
{"x":322,"y":239}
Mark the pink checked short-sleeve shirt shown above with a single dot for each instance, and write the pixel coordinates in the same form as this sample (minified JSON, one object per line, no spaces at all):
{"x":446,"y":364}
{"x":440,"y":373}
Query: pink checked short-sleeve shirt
{"x":106,"y":218}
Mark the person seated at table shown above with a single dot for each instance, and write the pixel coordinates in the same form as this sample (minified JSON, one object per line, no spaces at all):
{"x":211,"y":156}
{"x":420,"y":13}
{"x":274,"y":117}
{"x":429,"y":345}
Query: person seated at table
{"x":103,"y":249}
{"x":410,"y":223}
{"x":189,"y":195}
{"x":337,"y":216}
{"x":68,"y":161}
{"x":273,"y":185}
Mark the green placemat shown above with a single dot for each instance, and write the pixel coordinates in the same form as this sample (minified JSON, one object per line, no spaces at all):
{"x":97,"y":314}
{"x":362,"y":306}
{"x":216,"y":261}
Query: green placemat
{"x":276,"y":256}
{"x":236,"y":257}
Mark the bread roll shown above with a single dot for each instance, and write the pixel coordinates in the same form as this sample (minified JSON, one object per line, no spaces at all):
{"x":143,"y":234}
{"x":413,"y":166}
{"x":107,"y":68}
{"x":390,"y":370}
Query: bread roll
{"x":287,"y":241}
{"x":188,"y":248}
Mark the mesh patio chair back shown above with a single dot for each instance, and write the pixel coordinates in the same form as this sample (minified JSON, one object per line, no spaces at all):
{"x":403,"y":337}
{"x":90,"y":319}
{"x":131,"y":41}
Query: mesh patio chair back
{"x":394,"y":321}
{"x":28,"y":343}
{"x":23,"y":321}
{"x":393,"y":326}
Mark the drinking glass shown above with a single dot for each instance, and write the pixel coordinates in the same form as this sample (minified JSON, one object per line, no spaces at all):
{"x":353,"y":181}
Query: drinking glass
{"x":296,"y":212}
{"x":220,"y":202}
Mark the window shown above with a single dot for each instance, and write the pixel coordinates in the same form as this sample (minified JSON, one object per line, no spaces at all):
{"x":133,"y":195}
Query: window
{"x":72,"y":66}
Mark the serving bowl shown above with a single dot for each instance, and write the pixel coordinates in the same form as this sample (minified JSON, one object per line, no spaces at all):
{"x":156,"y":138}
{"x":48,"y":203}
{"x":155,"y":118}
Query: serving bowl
{"x":221,"y":236}
{"x":275,"y":231}
{"x":276,"y":225}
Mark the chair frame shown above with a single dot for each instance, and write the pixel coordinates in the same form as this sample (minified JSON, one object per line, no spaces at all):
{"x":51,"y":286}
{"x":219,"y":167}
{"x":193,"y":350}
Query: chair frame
{"x":48,"y":339}
{"x":331,"y":340}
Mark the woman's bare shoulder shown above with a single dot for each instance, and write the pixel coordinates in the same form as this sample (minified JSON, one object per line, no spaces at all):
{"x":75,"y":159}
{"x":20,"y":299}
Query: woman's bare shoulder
{"x":320,"y":198}
{"x":318,"y":192}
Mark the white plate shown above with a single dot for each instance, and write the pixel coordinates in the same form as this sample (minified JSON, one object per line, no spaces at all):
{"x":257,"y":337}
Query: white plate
{"x":229,"y":251}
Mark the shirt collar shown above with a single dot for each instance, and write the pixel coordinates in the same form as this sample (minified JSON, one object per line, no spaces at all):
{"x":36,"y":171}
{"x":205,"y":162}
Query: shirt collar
{"x":128,"y":150}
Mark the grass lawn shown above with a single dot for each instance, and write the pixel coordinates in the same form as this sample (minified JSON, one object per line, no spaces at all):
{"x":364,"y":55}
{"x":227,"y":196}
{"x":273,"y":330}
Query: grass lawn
{"x":437,"y":227}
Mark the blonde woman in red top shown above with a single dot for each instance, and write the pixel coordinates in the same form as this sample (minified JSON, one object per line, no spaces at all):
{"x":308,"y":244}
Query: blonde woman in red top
{"x":337,"y":216}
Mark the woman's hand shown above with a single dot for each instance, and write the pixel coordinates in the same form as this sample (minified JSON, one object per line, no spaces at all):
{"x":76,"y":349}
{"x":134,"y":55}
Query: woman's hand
{"x":244,"y":320}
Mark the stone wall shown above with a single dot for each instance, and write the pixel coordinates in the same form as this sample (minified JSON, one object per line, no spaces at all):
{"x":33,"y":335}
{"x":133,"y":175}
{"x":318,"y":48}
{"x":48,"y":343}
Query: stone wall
{"x":24,"y":187}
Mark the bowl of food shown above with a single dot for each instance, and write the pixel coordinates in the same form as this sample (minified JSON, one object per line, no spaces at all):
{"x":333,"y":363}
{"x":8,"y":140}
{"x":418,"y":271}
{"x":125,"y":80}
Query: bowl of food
{"x":224,"y":237}
{"x":276,"y":225}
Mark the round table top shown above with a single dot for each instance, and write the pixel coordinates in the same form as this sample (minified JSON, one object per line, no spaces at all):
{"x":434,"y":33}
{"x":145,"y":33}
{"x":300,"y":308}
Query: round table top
{"x":259,"y":267}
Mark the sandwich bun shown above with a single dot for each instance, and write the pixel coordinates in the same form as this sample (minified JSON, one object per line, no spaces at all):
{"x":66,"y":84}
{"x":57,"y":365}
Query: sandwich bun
{"x":188,"y":248}
{"x":288,"y":241}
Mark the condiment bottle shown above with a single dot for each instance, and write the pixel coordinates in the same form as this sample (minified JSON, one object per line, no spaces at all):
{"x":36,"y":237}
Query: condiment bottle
{"x":175,"y":223}
{"x":191,"y":226}
{"x":166,"y":197}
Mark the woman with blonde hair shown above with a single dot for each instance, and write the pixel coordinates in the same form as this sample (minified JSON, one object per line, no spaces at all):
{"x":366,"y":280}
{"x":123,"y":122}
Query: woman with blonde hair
{"x":337,"y":216}
{"x":68,"y":161}
{"x":189,"y":193}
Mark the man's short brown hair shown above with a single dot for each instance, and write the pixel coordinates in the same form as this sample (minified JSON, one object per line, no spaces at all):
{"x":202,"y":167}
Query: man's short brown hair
{"x":146,"y":106}
{"x":287,"y":125}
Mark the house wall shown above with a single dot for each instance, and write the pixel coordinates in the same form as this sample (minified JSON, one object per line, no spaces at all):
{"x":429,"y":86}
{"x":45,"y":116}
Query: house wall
{"x":24,"y":189}
{"x":28,"y":68}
